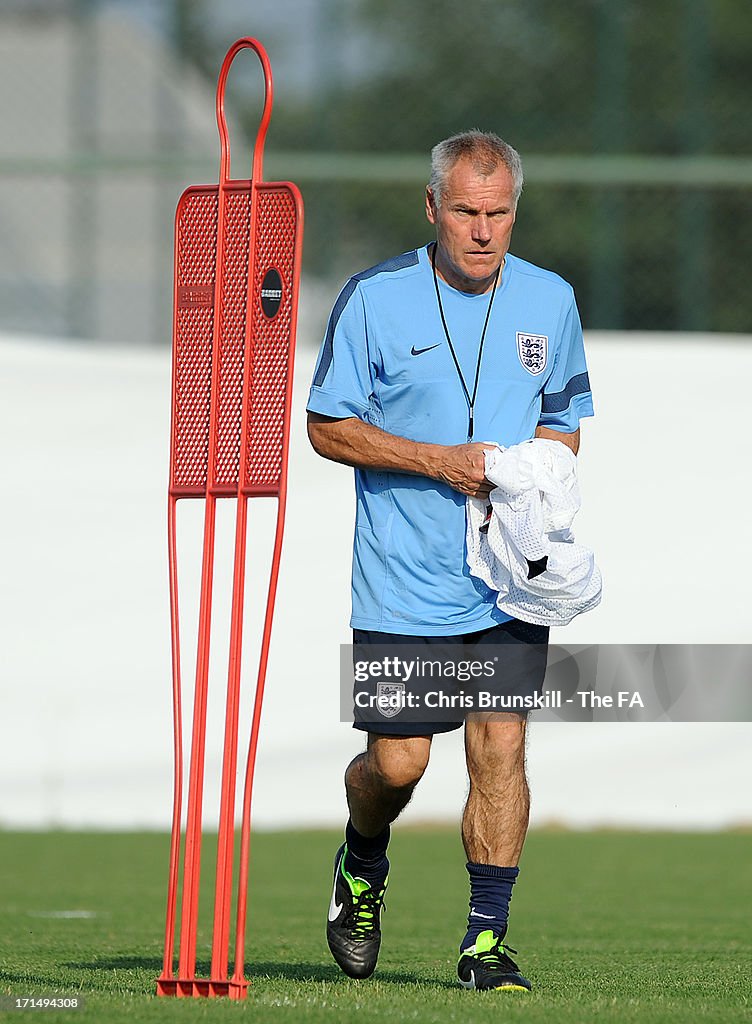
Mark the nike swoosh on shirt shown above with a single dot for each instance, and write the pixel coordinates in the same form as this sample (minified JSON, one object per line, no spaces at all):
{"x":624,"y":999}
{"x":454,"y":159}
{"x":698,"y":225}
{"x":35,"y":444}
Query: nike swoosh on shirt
{"x":419,"y":351}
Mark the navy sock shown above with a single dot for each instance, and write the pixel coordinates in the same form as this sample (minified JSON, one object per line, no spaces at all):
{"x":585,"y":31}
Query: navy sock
{"x":490,"y":893}
{"x":366,"y":857}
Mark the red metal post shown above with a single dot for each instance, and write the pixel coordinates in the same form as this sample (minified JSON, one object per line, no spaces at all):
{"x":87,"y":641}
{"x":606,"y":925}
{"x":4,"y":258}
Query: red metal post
{"x":226,"y":835}
{"x":247,"y":483}
{"x":233,"y":350}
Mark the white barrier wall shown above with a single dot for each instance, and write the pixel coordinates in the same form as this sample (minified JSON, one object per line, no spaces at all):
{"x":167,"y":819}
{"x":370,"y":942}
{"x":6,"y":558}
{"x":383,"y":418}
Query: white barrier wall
{"x":85,"y":667}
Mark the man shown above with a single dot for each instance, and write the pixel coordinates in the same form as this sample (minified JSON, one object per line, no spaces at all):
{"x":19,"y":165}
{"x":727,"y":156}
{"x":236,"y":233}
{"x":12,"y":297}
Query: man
{"x":426,"y":356}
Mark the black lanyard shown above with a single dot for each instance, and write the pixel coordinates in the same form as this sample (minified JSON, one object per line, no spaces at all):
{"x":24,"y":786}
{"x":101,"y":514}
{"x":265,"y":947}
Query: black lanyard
{"x":468,"y":397}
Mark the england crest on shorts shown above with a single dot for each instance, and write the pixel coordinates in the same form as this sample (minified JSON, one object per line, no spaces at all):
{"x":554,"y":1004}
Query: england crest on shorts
{"x":390,"y":698}
{"x":533,"y":351}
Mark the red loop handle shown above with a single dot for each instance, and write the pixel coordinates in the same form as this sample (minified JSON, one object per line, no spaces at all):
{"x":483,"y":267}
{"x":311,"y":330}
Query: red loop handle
{"x":258,"y":150}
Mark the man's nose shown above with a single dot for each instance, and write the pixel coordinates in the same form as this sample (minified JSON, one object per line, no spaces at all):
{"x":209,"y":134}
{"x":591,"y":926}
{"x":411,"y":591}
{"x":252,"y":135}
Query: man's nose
{"x":481,"y":228}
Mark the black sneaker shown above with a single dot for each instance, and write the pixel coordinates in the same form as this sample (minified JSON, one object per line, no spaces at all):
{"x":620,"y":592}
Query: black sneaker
{"x":353,"y":927}
{"x":487,"y":965}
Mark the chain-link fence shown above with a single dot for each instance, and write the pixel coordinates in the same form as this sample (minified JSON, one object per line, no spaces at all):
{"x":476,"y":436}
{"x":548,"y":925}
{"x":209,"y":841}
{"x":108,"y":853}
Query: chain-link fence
{"x":632,"y":120}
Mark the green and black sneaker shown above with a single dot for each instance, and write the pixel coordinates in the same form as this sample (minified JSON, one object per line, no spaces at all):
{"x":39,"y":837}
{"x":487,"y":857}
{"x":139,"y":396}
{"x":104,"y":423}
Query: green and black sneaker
{"x":353,"y":928}
{"x":487,"y":965}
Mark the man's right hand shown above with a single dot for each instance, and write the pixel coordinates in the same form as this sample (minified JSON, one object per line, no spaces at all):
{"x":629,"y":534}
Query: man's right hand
{"x":462,"y":466}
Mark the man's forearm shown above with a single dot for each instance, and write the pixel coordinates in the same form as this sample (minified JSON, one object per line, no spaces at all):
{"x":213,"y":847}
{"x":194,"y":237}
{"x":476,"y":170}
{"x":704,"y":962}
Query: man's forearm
{"x":360,"y":444}
{"x":570,"y":440}
{"x":355,"y":443}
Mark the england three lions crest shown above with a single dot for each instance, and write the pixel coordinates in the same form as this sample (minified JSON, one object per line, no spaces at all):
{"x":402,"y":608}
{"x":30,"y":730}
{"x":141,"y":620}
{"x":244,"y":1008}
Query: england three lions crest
{"x":390,"y":698}
{"x":533,"y":351}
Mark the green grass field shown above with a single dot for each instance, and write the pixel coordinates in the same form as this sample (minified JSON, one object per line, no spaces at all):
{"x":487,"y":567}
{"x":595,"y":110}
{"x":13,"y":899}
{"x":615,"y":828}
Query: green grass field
{"x":609,"y":926}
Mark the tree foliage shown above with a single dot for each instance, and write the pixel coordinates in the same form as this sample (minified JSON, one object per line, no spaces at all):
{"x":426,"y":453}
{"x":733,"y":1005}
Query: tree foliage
{"x":666,"y":78}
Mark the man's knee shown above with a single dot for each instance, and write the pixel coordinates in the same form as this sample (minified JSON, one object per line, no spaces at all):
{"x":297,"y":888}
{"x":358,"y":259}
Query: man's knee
{"x":494,"y":743}
{"x":398,"y":762}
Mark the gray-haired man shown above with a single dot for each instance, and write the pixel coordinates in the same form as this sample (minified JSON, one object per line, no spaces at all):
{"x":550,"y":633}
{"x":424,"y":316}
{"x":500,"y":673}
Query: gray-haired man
{"x":423,"y":355}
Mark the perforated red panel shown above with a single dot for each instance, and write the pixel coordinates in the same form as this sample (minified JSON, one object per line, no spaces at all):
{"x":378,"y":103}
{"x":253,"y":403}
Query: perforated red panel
{"x":196,"y":246}
{"x":195,"y":260}
{"x":276,"y":230}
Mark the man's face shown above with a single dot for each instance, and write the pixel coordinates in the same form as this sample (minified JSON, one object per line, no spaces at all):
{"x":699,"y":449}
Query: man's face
{"x":473,"y":225}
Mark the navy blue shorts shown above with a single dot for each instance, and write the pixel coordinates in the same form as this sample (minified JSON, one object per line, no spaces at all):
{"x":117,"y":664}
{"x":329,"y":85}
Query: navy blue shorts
{"x":525,"y":653}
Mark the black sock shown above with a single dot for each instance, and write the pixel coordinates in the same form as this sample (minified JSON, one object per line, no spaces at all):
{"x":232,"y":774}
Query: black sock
{"x":366,"y":857}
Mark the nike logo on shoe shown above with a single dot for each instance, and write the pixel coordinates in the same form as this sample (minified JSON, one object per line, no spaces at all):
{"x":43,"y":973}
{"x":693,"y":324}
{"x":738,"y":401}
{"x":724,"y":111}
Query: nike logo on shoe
{"x":419,"y":351}
{"x":335,"y":909}
{"x":470,"y":983}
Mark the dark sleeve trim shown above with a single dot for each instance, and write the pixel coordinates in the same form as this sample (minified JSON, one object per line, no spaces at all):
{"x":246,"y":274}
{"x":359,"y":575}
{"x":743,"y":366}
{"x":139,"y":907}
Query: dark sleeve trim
{"x":328,"y":350}
{"x":406,"y":259}
{"x":559,"y":400}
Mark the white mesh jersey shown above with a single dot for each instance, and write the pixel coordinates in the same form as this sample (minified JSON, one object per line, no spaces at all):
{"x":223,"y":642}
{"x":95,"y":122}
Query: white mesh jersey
{"x":525,"y":551}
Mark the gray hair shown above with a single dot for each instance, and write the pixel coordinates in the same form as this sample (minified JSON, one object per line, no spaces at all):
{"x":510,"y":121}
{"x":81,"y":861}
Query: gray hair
{"x":484,"y":149}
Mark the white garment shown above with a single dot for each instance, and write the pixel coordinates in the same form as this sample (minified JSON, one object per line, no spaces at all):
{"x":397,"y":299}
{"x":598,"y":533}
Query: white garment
{"x":533,"y":504}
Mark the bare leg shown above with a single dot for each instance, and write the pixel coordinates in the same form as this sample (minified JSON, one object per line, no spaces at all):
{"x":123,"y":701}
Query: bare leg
{"x":496,"y":815}
{"x":380,"y":781}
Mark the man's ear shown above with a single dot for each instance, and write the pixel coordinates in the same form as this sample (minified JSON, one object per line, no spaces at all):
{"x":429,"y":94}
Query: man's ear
{"x":430,"y":205}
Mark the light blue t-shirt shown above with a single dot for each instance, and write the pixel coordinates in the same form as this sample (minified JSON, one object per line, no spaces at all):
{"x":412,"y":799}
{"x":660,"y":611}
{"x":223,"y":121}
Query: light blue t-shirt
{"x":385,"y":359}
